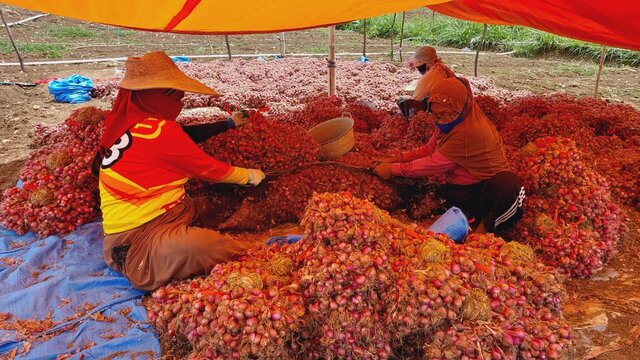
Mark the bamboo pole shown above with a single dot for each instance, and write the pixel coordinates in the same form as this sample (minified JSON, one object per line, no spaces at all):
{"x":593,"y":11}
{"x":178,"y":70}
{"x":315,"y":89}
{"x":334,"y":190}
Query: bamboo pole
{"x":282,"y":44}
{"x":475,"y":65}
{"x":393,"y":25}
{"x":12,"y":42}
{"x":331,"y":62}
{"x":364,"y":41}
{"x":401,"y":35}
{"x":603,"y":56}
{"x":226,"y":40}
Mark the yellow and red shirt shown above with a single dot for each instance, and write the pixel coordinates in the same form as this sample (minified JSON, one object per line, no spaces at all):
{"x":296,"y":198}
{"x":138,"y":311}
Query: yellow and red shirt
{"x":144,"y":175}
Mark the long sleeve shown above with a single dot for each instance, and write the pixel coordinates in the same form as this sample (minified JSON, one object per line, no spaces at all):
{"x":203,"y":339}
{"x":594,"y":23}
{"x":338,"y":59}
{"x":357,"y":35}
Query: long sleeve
{"x":201,"y":132}
{"x":180,"y":154}
{"x":422,"y":151}
{"x":434,"y":164}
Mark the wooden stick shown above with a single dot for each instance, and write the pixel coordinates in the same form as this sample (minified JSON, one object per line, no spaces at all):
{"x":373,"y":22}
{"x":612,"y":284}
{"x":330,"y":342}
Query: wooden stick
{"x":26,"y":20}
{"x":393,"y":25}
{"x":226,"y":40}
{"x":401,"y":35}
{"x":364,"y":41}
{"x":603,"y":55}
{"x":282,"y":44}
{"x":12,"y":42}
{"x":475,"y":65}
{"x":331,"y":62}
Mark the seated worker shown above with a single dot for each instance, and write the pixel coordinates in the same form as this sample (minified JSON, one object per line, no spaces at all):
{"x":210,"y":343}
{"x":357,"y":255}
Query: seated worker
{"x":145,"y":160}
{"x":433,"y":70}
{"x":467,"y":149}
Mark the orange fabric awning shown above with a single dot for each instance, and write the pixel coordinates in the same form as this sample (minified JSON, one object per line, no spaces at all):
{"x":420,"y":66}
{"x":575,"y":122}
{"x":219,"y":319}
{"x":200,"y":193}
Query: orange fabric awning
{"x":220,"y":16}
{"x":615,"y":23}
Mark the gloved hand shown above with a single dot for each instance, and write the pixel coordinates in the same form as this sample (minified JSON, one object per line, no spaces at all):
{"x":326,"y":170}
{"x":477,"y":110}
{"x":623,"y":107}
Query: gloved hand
{"x":389,"y":159}
{"x":255,"y":177}
{"x":383,"y":170}
{"x":240,"y":118}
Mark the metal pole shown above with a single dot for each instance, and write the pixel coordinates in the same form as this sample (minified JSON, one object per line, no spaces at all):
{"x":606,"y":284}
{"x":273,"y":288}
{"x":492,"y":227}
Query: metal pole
{"x":12,"y":42}
{"x":401,"y":35}
{"x":226,"y":40}
{"x":393,"y":25}
{"x":331,"y":62}
{"x":475,"y":65}
{"x":282,"y":44}
{"x":603,"y":56}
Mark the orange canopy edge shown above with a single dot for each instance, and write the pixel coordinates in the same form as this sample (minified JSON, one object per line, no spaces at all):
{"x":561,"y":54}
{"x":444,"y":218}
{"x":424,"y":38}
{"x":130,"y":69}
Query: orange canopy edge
{"x":614,"y":23}
{"x":220,"y":16}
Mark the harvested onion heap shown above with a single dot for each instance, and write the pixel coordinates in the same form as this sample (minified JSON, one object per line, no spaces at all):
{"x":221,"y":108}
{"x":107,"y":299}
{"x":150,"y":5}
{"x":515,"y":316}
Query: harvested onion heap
{"x":285,"y":198}
{"x":59,"y":191}
{"x":570,"y":218}
{"x":364,"y":286}
{"x":265,"y":145}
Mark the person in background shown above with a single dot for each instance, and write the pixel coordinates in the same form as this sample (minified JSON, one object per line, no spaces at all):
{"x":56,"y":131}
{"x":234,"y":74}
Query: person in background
{"x":145,"y":159}
{"x":467,"y":150}
{"x":433,"y":70}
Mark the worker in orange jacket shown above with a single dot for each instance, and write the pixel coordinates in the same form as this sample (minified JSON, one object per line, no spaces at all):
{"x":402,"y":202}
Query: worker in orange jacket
{"x":432,"y":71}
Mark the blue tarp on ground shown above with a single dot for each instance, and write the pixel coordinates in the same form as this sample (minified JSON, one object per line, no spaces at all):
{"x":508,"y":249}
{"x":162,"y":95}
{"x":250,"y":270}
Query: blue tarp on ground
{"x":95,"y":312}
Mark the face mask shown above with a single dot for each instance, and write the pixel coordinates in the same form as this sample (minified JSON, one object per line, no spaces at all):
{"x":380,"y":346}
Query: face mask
{"x":446,"y":128}
{"x":422,"y":69}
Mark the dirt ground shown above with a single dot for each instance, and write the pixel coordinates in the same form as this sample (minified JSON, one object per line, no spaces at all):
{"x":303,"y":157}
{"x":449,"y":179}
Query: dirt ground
{"x":605,"y":310}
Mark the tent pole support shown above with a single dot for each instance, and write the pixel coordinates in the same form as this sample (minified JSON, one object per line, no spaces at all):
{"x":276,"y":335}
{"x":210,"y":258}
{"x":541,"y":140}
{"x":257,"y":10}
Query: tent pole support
{"x":393,"y":25}
{"x":401,"y":35}
{"x":282,"y":44}
{"x":603,"y":56}
{"x":226,"y":40}
{"x":331,"y":62}
{"x":12,"y":42}
{"x":475,"y":65}
{"x":364,"y":40}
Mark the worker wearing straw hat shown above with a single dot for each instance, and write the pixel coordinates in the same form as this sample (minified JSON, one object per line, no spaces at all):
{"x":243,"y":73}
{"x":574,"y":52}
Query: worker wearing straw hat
{"x":432,"y":69}
{"x":145,"y":160}
{"x":467,"y":150}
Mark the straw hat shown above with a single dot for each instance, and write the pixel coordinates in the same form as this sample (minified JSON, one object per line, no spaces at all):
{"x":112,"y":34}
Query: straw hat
{"x":156,"y":70}
{"x":423,"y":55}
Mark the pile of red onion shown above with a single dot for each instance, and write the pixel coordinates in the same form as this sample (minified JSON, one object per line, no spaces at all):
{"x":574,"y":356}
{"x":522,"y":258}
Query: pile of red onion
{"x":362,"y":285}
{"x":59,"y":191}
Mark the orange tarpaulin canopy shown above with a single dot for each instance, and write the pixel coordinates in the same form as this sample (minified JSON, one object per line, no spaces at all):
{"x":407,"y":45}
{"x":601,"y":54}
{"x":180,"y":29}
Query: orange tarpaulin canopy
{"x":220,"y":16}
{"x":615,"y":23}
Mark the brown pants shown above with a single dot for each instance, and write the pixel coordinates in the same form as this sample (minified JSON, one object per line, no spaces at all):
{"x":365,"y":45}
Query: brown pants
{"x":168,"y":247}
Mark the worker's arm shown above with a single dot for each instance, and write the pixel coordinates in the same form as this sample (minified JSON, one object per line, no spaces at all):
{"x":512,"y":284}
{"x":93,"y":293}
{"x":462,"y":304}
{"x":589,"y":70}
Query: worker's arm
{"x":421,"y":152}
{"x":180,"y":154}
{"x":425,"y":84}
{"x":434,"y":164}
{"x":201,"y":132}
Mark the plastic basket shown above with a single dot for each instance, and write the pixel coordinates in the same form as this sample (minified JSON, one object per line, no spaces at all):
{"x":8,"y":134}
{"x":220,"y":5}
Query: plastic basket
{"x":335,"y":136}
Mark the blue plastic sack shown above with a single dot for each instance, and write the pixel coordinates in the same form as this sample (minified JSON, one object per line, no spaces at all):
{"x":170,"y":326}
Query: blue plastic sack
{"x":284,"y":239}
{"x":452,"y":223}
{"x":363,"y":59}
{"x":180,"y":59}
{"x":73,"y":89}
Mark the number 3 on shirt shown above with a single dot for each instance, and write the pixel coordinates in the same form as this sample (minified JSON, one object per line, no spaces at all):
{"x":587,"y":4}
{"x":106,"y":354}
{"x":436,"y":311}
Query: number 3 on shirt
{"x":116,"y":150}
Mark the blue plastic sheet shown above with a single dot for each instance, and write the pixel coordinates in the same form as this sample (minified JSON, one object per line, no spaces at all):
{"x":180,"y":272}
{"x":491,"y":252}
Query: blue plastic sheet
{"x":73,"y":89}
{"x":95,"y":313}
{"x":453,"y":223}
{"x":180,"y":59}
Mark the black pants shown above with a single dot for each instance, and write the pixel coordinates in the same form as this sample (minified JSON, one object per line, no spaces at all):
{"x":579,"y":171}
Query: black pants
{"x":495,"y":202}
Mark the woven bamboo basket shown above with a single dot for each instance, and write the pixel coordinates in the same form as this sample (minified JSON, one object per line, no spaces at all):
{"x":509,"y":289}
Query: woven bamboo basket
{"x":335,"y":136}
